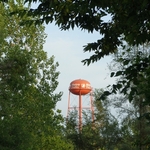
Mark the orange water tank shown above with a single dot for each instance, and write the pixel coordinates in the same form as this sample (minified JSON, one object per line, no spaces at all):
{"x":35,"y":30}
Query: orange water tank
{"x":80,"y":87}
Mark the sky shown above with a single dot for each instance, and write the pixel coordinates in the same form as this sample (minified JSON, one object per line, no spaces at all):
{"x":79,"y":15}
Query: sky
{"x":67,"y":47}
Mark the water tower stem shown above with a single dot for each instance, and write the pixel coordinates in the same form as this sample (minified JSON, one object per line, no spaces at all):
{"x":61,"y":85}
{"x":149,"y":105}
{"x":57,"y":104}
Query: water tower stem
{"x":80,"y":112}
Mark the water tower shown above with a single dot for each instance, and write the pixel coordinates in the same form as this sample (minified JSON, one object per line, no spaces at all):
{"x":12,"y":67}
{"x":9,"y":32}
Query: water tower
{"x":80,"y":88}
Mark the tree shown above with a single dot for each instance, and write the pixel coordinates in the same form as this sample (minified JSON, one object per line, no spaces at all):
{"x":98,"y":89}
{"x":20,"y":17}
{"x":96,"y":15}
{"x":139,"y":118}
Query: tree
{"x":28,"y":79}
{"x":102,"y":133}
{"x":129,"y":21}
{"x":133,"y":117}
{"x":133,"y":76}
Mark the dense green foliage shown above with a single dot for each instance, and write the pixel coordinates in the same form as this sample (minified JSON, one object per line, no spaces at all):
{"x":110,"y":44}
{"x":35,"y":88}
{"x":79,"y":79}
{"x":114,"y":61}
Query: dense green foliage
{"x":135,"y":120}
{"x":101,"y":133}
{"x":116,"y":126}
{"x":119,"y":23}
{"x":128,"y":21}
{"x":28,"y":80}
{"x":133,"y":76}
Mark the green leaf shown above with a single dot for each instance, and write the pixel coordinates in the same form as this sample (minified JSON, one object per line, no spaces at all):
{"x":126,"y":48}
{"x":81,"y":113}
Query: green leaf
{"x":126,"y":62}
{"x":112,"y":74}
{"x":119,"y":86}
{"x":104,"y":95}
{"x":118,"y":73}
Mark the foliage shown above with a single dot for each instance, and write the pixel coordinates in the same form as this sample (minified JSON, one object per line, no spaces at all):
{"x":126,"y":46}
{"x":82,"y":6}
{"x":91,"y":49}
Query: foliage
{"x":102,"y":133}
{"x":134,"y":121}
{"x":28,"y":80}
{"x":133,"y":77}
{"x":129,"y":21}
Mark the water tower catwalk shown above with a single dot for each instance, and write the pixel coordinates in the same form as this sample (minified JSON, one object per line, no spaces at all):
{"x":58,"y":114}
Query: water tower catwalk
{"x":79,"y":88}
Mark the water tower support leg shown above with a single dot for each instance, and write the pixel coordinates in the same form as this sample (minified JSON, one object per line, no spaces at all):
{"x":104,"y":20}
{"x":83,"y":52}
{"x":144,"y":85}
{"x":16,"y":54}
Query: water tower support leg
{"x":80,"y":113}
{"x":92,"y":107}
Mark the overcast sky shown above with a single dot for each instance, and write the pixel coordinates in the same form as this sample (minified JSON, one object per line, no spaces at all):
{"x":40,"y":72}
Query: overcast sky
{"x":67,"y":47}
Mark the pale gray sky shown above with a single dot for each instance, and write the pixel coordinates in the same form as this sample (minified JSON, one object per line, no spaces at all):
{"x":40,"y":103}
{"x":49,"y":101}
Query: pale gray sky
{"x":67,"y":47}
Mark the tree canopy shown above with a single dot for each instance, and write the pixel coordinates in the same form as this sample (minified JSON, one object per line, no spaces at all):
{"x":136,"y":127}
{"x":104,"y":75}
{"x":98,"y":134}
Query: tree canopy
{"x":128,"y":21}
{"x":28,"y":80}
